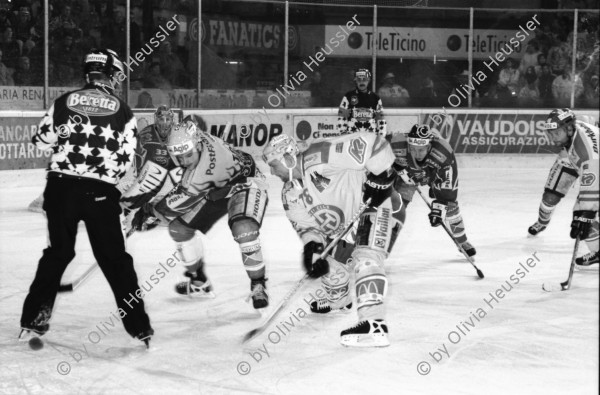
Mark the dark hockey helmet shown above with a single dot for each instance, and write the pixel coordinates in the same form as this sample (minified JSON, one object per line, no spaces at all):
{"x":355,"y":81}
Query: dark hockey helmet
{"x":105,"y":61}
{"x":420,"y":135}
{"x":558,"y":118}
{"x":163,"y":120}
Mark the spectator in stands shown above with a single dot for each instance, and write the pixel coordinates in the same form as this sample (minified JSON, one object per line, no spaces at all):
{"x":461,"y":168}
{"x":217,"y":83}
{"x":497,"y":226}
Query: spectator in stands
{"x":530,"y":57}
{"x":541,"y":61}
{"x":562,"y":86}
{"x":10,"y":47}
{"x":171,"y":66}
{"x":25,"y":32}
{"x":428,"y":96}
{"x":64,"y":24}
{"x":4,"y":19}
{"x":558,"y":56}
{"x":155,"y":80}
{"x":545,"y":81}
{"x":25,"y":75}
{"x":508,"y":84}
{"x":460,"y":83}
{"x":392,"y":94}
{"x":543,"y":38}
{"x":529,"y":95}
{"x":65,"y":55}
{"x":144,"y":100}
{"x":5,"y":74}
{"x":591,"y":93}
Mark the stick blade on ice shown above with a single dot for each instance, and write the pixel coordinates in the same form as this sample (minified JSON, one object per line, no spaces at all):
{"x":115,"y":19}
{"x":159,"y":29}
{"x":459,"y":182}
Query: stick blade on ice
{"x":553,"y":287}
{"x":250,"y":335}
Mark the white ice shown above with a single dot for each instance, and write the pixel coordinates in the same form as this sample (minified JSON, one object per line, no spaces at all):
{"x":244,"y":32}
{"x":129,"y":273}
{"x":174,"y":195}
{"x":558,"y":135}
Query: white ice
{"x":528,"y":342}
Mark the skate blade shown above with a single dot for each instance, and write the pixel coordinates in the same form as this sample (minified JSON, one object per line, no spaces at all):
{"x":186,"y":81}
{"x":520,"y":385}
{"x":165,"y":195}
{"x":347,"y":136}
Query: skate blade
{"x":372,"y":340}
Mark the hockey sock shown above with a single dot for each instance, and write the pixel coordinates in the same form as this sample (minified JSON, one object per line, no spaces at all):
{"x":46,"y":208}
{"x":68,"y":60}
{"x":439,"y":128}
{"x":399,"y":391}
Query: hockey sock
{"x":455,"y":222}
{"x":253,"y":259}
{"x":545,"y":213}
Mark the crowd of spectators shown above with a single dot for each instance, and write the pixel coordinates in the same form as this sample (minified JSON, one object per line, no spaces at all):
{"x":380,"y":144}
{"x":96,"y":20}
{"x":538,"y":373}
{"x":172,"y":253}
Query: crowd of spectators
{"x":540,"y":76}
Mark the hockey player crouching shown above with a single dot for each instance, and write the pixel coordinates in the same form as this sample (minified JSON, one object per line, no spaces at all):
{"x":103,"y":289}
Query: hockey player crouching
{"x":429,"y":160}
{"x":578,"y":158}
{"x":217,"y":180}
{"x":323,"y":188}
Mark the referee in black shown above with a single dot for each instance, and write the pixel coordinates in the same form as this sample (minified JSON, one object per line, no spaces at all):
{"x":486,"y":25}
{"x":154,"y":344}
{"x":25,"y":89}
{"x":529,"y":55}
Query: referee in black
{"x":92,"y":134}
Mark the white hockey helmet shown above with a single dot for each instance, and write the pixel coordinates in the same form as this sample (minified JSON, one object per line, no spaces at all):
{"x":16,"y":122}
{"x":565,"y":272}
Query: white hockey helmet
{"x":282,"y":148}
{"x":182,"y":139}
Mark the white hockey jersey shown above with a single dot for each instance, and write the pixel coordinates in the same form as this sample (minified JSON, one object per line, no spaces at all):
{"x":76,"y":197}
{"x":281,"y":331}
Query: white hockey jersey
{"x":333,"y":174}
{"x":583,"y":155}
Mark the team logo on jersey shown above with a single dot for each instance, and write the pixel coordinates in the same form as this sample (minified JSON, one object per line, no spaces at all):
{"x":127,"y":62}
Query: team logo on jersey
{"x":330,"y":218}
{"x":92,"y":102}
{"x":354,"y":100}
{"x":357,"y":149}
{"x":587,"y":179}
{"x":362,"y":114}
{"x":319,"y":181}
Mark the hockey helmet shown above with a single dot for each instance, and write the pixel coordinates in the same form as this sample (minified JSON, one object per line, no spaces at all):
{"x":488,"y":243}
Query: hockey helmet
{"x":362,"y":75}
{"x":163,"y":119}
{"x":282,"y":148}
{"x":105,"y":61}
{"x":182,"y":142}
{"x":420,"y":135}
{"x":558,"y":118}
{"x":560,"y":126}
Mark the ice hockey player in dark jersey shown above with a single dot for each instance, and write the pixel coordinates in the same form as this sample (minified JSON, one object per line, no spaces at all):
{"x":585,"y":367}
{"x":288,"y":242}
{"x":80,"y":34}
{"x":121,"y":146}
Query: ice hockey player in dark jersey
{"x":577,"y":159}
{"x":92,"y":134}
{"x":153,"y":166}
{"x":361,"y":109}
{"x":429,"y":160}
{"x":218,"y":180}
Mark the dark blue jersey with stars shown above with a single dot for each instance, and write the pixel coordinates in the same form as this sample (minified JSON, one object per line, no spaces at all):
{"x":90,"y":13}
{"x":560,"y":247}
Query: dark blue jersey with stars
{"x":93,"y":134}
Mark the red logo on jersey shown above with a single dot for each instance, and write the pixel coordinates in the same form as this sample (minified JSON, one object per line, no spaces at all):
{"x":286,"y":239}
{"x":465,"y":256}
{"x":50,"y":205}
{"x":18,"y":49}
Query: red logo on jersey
{"x":357,"y":149}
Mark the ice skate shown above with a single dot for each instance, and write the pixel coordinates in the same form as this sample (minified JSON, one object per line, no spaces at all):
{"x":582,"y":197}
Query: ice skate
{"x":536,"y":228}
{"x":587,"y":259}
{"x":258,"y":294}
{"x":322,"y":306}
{"x":27,"y":334}
{"x":368,"y":333}
{"x":469,"y":249}
{"x":195,"y":286}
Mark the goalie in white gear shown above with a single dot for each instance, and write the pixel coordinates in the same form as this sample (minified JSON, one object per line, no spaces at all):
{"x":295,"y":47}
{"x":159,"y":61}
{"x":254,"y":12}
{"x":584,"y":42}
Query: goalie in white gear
{"x":218,"y":180}
{"x":323,"y":188}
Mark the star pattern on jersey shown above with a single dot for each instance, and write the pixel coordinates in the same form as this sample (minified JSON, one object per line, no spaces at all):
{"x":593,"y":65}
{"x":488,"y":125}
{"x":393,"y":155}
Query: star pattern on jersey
{"x":93,"y":146}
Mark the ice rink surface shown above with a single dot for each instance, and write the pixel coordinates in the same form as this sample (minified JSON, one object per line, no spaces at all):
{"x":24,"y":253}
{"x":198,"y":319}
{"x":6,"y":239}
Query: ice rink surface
{"x":527,"y":342}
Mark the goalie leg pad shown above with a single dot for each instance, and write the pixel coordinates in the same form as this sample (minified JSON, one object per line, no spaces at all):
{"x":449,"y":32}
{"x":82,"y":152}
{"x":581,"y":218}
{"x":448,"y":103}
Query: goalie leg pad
{"x":561,"y":178}
{"x":245,"y":232}
{"x":378,"y":229}
{"x":371,"y":283}
{"x":248,"y":203}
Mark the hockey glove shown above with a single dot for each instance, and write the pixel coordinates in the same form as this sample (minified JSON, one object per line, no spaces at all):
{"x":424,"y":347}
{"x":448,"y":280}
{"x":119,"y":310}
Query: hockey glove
{"x":144,"y":219}
{"x":581,"y":224}
{"x":379,"y":187}
{"x":438,"y":213}
{"x":319,"y":267}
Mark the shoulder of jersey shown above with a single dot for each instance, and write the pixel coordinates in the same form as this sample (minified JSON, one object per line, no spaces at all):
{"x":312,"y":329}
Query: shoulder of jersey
{"x":585,"y":143}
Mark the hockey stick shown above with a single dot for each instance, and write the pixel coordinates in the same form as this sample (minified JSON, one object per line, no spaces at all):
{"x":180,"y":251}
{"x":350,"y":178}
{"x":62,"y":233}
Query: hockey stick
{"x":257,"y":331}
{"x":565,"y":285}
{"x":75,"y":284}
{"x":428,"y":203}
